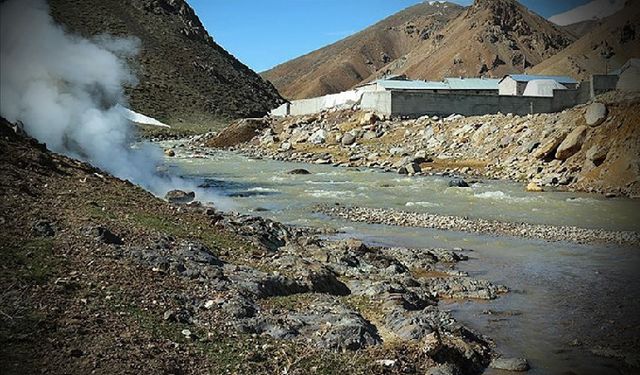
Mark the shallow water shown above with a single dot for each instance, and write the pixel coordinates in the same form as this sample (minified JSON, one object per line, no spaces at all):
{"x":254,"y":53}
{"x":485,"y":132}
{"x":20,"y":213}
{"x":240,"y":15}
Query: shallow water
{"x":562,"y":292}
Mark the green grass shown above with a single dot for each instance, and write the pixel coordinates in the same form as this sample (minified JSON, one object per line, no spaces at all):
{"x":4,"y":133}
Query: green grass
{"x":30,"y":261}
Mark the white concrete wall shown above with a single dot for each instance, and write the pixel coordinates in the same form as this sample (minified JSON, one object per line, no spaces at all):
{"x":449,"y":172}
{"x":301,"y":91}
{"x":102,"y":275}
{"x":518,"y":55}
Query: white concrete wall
{"x":281,"y":111}
{"x":377,"y":101}
{"x":508,"y":87}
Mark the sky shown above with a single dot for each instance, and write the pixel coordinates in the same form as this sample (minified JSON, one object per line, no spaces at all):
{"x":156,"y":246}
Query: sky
{"x":263,"y":33}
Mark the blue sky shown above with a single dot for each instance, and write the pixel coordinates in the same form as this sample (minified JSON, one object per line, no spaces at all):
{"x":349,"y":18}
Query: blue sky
{"x":265,"y":33}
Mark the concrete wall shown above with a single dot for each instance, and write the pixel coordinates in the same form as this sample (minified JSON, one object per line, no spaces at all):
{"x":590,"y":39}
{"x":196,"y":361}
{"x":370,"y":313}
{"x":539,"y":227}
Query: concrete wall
{"x":281,"y":111}
{"x":508,"y":86}
{"x":306,"y":106}
{"x":377,"y":101}
{"x":600,"y":84}
{"x":419,"y":104}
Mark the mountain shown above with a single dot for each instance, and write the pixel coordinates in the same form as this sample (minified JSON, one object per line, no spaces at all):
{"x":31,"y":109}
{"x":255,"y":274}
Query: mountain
{"x":428,"y":41}
{"x":184,"y":76}
{"x":605,"y":48}
{"x":490,"y":38}
{"x":594,"y":10}
{"x":342,"y":65}
{"x":582,"y":28}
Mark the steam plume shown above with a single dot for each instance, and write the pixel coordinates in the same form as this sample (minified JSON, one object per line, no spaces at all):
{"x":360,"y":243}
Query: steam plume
{"x":65,"y":90}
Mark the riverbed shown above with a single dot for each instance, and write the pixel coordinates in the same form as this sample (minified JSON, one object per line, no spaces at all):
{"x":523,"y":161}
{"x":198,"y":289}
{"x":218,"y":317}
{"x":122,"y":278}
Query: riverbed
{"x":567,"y":300}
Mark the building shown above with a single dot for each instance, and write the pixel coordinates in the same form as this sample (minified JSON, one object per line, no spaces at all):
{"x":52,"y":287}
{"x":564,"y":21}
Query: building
{"x":629,"y":76}
{"x":479,"y":86}
{"x":516,"y":84}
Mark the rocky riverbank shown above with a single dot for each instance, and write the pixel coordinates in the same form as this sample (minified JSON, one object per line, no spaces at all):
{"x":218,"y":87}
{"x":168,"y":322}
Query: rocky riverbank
{"x":99,"y":276}
{"x":592,"y":147}
{"x":482,"y":226}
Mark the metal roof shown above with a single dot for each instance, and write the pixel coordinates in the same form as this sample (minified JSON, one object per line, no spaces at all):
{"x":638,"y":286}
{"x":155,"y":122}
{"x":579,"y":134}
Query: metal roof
{"x":528,"y":78}
{"x":472,"y":83}
{"x":411,"y":85}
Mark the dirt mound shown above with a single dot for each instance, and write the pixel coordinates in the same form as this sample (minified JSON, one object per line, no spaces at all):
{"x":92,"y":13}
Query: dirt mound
{"x":239,"y":132}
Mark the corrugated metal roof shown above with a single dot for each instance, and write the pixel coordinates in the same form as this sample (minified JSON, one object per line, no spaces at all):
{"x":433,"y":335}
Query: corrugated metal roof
{"x":411,"y":85}
{"x":472,"y":83}
{"x":528,"y":78}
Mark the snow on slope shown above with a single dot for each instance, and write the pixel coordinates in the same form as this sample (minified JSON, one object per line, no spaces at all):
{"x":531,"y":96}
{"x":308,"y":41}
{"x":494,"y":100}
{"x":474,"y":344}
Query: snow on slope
{"x":596,"y":9}
{"x":139,"y":118}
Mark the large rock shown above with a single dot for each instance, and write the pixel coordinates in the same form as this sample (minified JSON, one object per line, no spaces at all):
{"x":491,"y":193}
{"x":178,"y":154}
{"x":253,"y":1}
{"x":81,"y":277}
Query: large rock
{"x":596,"y":114}
{"x":597,"y":154}
{"x":572,"y":143}
{"x":510,"y":364}
{"x":348,"y":139}
{"x":458,"y":182}
{"x":319,"y":137}
{"x":549,"y":147}
{"x":179,"y":196}
{"x":368,"y":119}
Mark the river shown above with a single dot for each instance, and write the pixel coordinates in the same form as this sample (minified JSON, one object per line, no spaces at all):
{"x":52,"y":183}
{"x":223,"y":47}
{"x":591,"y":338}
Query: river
{"x":566,"y":300}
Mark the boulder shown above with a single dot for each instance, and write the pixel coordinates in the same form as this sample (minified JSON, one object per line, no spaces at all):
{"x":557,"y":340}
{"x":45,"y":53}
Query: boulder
{"x":368,"y":119}
{"x":169,"y":152}
{"x":285,"y":146}
{"x":319,"y":137}
{"x":510,"y":364}
{"x":549,"y":147}
{"x":299,"y":171}
{"x":413,"y":168}
{"x":534,"y":188}
{"x":597,"y":154}
{"x":348,"y":139}
{"x":572,"y":143}
{"x":596,"y":114}
{"x":458,"y":182}
{"x":180,"y":196}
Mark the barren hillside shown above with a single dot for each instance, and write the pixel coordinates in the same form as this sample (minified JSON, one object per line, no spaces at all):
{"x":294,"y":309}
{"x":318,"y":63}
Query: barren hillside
{"x":606,"y":48}
{"x":490,"y":38}
{"x":183,"y":73}
{"x":342,"y":65}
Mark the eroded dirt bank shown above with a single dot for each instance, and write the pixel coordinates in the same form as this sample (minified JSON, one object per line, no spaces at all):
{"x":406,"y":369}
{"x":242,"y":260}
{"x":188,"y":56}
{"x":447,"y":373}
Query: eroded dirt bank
{"x":592,"y":147}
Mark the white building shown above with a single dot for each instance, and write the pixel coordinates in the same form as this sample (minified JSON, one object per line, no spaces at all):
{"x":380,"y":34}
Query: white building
{"x":516,"y":84}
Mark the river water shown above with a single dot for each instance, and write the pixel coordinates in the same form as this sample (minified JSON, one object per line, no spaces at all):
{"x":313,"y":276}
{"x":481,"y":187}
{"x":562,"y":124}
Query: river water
{"x":566,"y":300}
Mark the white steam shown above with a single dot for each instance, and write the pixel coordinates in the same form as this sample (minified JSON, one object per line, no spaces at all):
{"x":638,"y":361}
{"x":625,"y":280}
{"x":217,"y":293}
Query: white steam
{"x":65,"y":90}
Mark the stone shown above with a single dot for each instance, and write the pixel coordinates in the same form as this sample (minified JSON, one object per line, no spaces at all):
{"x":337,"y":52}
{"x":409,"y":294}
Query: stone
{"x":319,"y":137}
{"x":43,"y":228}
{"x":370,"y":135}
{"x":597,"y":154}
{"x":534,"y":188}
{"x":285,"y":146}
{"x":510,"y":364}
{"x":368,"y":119}
{"x":572,"y":143}
{"x":348,"y":139}
{"x":180,"y":196}
{"x":550,"y":146}
{"x":596,"y":114}
{"x":458,"y":182}
{"x":413,"y":168}
{"x":299,"y":171}
{"x":108,"y":237}
{"x":169,"y":152}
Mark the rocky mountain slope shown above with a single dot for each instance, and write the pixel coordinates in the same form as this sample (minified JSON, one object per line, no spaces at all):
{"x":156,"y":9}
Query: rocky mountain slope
{"x":342,"y":65}
{"x":92,"y":285}
{"x":607,"y":47}
{"x":184,"y":75}
{"x":491,"y":38}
